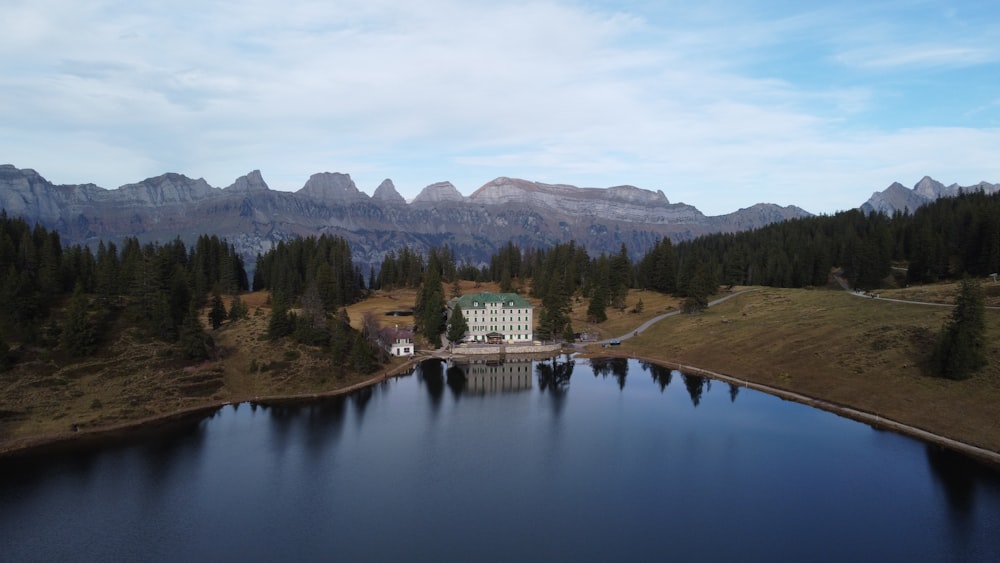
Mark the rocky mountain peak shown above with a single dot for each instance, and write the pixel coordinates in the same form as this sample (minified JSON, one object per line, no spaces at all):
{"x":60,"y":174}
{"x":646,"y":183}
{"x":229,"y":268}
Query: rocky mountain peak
{"x":439,"y":192}
{"x":632,"y":194}
{"x":929,"y":188}
{"x":166,"y":189}
{"x":252,"y":182}
{"x":386,"y":191}
{"x":331,"y":186}
{"x":759,"y":215}
{"x":898,"y":197}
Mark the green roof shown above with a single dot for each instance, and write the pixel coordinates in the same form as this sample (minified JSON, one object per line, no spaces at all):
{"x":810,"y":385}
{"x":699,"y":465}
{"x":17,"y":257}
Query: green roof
{"x":508,"y":300}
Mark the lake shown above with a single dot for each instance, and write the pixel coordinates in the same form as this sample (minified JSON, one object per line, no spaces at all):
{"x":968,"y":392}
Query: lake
{"x":558,"y":460}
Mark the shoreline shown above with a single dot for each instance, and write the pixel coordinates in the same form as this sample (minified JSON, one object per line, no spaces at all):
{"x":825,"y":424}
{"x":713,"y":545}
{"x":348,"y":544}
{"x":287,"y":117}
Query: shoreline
{"x":123,"y":432}
{"x":983,"y":455}
{"x":150,"y":426}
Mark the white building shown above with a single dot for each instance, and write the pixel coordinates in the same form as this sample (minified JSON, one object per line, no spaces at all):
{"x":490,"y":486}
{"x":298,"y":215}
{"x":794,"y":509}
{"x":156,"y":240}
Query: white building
{"x":497,"y":317}
{"x":397,"y":341}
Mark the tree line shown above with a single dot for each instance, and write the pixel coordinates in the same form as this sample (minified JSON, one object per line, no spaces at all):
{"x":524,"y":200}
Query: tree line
{"x":158,"y":285}
{"x":943,"y":240}
{"x":65,"y":298}
{"x":317,"y":277}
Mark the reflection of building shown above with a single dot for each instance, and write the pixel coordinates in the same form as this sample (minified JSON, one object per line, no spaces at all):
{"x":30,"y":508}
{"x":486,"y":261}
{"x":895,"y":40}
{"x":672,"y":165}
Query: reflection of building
{"x":496,"y":377}
{"x":497,"y":317}
{"x":396,"y":341}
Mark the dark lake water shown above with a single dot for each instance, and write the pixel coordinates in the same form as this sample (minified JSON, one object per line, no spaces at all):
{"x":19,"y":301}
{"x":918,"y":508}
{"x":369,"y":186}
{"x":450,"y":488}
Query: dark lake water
{"x":602,"y":460}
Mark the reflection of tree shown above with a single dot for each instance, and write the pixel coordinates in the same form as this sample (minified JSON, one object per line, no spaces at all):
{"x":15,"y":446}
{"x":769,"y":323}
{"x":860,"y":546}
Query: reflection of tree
{"x":734,"y":390}
{"x":661,"y":375}
{"x":615,"y":367}
{"x":456,"y":380}
{"x":695,"y":385}
{"x":432,"y":375}
{"x":957,"y":475}
{"x":180,"y":446}
{"x":324,"y":421}
{"x":281,"y":418}
{"x":361,"y":398}
{"x":553,"y":379}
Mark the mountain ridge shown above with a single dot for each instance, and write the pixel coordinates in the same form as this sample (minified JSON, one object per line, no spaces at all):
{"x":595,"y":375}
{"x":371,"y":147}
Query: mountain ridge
{"x":899,"y":198}
{"x":253,"y":217}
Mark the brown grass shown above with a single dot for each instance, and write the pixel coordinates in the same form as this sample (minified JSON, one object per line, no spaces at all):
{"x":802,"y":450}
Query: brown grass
{"x":869,"y":354}
{"x":134,"y":378}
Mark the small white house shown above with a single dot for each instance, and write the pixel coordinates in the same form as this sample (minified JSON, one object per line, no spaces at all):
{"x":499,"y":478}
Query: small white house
{"x":397,"y":341}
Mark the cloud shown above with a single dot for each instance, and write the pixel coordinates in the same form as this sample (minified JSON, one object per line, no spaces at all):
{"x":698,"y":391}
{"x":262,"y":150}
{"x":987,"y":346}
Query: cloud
{"x":718,"y":107}
{"x":925,"y":55}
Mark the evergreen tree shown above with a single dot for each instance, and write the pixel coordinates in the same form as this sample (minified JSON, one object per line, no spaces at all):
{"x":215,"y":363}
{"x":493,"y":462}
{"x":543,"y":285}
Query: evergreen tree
{"x":596,"y":311}
{"x":362,"y":355}
{"x":237,"y":309}
{"x":619,"y":278}
{"x":6,"y":358}
{"x":78,"y":335}
{"x":311,"y":326}
{"x":697,"y":282}
{"x":341,"y":340}
{"x":218,"y":312}
{"x":961,"y":348}
{"x":429,"y":309}
{"x":282,"y":322}
{"x":457,"y":325}
{"x":194,"y":342}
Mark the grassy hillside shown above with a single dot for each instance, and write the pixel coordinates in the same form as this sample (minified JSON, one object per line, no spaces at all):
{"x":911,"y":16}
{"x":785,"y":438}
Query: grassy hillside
{"x":870,"y":354}
{"x":132,"y":378}
{"x":860,"y":352}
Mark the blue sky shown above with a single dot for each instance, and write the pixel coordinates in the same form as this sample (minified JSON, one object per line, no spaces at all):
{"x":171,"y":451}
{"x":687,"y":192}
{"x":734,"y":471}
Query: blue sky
{"x":719,"y":104}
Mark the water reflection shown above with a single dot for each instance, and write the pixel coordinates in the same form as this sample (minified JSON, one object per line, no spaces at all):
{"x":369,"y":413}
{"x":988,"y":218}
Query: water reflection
{"x":431,"y":375}
{"x":361,"y":398}
{"x":734,"y":390}
{"x":553,"y":380}
{"x":325,"y":421}
{"x":696,"y":386}
{"x":615,"y":367}
{"x":455,"y":377}
{"x":162,"y":456}
{"x":314,"y":480}
{"x":661,"y":375}
{"x":489,"y":376}
{"x":956,"y":475}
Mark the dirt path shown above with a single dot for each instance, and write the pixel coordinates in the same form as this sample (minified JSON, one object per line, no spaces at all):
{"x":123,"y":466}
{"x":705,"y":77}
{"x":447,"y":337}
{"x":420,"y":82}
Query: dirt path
{"x":659,"y":318}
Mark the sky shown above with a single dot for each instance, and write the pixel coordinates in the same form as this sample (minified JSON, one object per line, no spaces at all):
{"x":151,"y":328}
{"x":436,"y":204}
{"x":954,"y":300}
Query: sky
{"x":719,"y":104}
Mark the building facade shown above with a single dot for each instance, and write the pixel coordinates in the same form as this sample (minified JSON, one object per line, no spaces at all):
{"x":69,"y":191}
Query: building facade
{"x":497,"y":317}
{"x":397,"y":341}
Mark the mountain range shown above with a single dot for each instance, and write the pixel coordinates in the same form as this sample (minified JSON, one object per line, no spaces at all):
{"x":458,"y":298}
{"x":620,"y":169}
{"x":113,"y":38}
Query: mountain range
{"x":254,"y":217}
{"x":898,"y":197}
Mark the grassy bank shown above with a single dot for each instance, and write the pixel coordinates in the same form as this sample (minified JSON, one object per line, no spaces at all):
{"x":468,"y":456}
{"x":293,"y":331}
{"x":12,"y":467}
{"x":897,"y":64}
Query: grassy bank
{"x":869,"y":354}
{"x":135,"y":381}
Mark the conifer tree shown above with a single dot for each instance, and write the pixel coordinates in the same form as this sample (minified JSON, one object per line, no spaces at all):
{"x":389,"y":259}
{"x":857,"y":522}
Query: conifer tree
{"x":218,"y":312}
{"x":6,"y":359}
{"x":78,"y":335}
{"x":457,"y":325}
{"x":960,"y":350}
{"x":596,"y":310}
{"x":282,"y":322}
{"x":340,"y":340}
{"x":237,"y":309}
{"x":194,"y":342}
{"x":429,"y":308}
